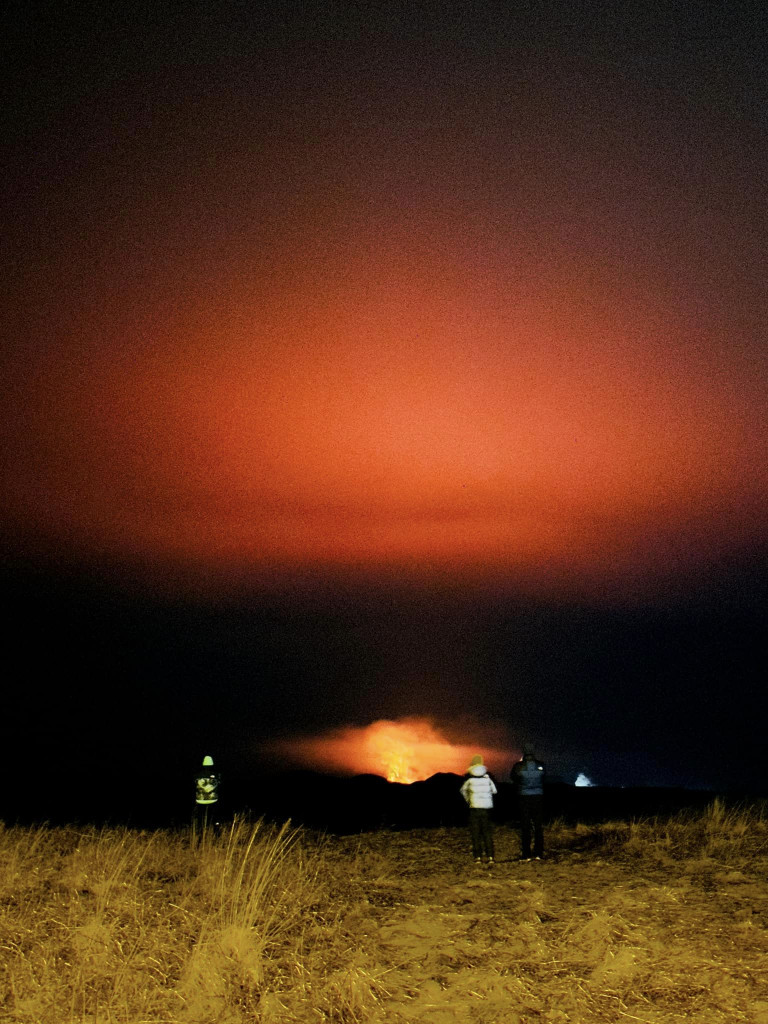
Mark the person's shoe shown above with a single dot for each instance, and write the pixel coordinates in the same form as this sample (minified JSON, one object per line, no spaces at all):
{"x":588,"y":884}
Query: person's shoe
{"x":525,"y":860}
{"x":478,"y":860}
{"x":490,"y":860}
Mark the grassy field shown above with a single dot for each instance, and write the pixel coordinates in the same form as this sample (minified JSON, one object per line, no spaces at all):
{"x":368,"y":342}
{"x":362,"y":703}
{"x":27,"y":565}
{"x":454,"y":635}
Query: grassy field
{"x":654,"y":921}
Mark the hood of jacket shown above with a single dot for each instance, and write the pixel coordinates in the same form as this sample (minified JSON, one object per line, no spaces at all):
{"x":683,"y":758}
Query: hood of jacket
{"x":478,"y":769}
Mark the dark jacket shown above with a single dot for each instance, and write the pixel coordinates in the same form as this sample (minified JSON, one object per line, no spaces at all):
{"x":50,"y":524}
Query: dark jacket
{"x":528,"y":777}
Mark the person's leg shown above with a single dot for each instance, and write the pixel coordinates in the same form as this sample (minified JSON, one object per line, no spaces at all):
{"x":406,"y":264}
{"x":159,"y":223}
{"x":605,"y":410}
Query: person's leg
{"x":488,"y":835}
{"x":538,"y":826}
{"x":525,"y":829}
{"x":474,"y":831}
{"x":200,"y":823}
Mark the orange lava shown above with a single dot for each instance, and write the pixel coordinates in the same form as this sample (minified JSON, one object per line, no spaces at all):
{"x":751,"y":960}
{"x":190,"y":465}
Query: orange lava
{"x":407,"y":750}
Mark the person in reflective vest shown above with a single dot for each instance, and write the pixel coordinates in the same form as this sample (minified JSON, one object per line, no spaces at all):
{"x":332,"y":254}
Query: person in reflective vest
{"x":528,"y":777}
{"x":206,"y":793}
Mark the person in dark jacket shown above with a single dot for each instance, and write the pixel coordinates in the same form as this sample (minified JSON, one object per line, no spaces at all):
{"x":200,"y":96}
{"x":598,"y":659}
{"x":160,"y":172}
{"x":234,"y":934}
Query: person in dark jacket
{"x":479,"y":790}
{"x":528,"y":777}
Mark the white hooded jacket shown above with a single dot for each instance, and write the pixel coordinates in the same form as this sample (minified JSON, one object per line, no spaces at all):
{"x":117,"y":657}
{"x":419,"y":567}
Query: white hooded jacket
{"x":479,"y":789}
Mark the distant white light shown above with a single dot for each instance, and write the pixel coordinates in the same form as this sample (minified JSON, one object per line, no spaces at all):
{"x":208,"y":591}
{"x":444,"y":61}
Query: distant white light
{"x":583,"y":780}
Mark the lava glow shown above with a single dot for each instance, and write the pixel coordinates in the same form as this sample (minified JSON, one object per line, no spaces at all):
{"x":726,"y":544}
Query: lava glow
{"x":407,"y":750}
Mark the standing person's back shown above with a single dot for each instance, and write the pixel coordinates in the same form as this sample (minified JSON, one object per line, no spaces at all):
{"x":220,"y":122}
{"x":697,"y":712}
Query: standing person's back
{"x":528,"y":777}
{"x":479,"y":790}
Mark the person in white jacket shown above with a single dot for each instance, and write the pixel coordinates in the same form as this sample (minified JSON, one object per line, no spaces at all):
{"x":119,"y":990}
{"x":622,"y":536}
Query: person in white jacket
{"x":479,"y":790}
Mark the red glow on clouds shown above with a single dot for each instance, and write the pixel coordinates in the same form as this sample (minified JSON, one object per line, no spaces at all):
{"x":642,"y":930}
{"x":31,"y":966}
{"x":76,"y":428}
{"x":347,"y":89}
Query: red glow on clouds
{"x":403,"y":416}
{"x":406,"y":750}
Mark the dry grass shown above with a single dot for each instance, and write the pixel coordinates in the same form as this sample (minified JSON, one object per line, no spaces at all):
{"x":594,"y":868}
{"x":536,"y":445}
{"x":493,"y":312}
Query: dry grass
{"x":654,"y":921}
{"x":117,"y":926}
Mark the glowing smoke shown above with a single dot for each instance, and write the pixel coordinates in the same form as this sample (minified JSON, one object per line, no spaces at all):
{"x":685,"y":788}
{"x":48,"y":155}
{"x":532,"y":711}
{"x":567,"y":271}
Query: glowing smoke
{"x":583,"y":780}
{"x":406,"y":750}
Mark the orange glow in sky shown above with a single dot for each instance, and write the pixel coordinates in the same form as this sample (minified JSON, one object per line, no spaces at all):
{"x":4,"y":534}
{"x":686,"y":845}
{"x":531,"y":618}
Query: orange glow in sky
{"x":325,"y":316}
{"x":406,"y":750}
{"x":409,"y":415}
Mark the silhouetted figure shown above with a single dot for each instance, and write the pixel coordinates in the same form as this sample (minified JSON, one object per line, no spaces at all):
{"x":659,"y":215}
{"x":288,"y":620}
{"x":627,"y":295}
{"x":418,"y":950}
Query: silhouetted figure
{"x":528,"y":777}
{"x":206,"y":795}
{"x":479,"y":790}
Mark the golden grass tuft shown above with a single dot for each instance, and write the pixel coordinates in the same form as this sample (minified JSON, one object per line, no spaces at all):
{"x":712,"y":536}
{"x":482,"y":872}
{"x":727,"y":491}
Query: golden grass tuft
{"x":111,"y":925}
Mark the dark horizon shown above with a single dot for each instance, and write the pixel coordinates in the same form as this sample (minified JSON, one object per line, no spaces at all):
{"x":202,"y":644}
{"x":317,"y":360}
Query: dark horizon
{"x":335,"y":803}
{"x":125,"y":682}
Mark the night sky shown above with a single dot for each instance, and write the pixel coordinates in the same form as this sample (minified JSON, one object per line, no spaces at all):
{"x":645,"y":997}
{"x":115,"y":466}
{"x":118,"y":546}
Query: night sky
{"x":371,"y":361}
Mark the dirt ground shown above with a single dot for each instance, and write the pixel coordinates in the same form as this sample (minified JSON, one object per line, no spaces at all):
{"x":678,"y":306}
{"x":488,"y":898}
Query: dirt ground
{"x":578,"y":937}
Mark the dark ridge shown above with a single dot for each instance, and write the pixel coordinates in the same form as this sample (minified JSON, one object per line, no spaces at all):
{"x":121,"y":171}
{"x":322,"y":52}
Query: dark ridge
{"x":340,"y":805}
